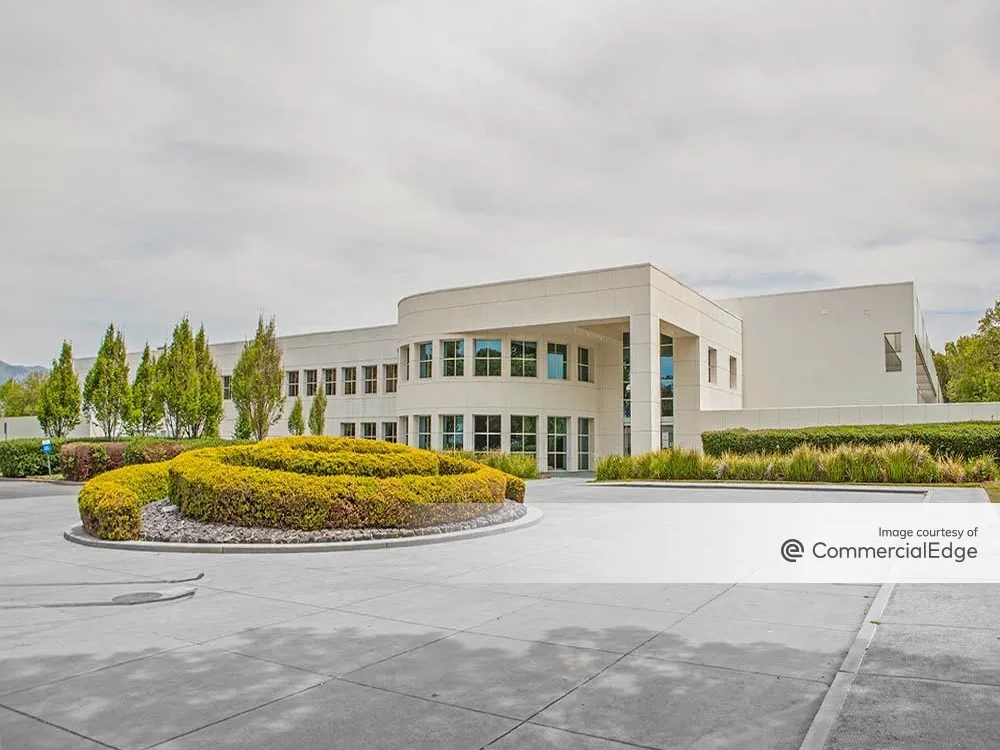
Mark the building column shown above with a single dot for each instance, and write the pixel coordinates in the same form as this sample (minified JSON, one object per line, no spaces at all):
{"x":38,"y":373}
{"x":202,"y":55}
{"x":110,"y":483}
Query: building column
{"x":644,"y":350}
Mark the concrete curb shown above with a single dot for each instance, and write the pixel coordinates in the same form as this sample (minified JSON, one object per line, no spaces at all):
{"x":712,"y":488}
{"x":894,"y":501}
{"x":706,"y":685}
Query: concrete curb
{"x":892,"y":489}
{"x":77,"y":535}
{"x":833,"y":701}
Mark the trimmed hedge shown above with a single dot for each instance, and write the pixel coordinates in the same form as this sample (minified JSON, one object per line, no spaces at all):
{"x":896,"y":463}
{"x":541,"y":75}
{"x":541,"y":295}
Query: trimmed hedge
{"x":212,"y":485}
{"x":24,"y":458}
{"x":895,"y":463}
{"x":111,"y":504}
{"x":79,"y":462}
{"x":962,"y":439}
{"x":516,"y":464}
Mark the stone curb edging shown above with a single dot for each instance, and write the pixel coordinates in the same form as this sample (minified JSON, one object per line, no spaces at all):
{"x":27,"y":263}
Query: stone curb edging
{"x":77,"y":535}
{"x":916,"y":489}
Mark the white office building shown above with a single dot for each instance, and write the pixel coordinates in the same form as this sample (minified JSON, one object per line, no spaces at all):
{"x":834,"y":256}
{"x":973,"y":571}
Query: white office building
{"x":581,"y":365}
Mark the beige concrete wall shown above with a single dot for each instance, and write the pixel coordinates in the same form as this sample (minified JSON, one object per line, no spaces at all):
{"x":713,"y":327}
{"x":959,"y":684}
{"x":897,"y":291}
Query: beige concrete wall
{"x":15,"y":428}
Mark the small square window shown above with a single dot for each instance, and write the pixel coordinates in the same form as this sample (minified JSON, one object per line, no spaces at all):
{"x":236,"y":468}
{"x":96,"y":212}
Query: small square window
{"x":523,"y":359}
{"x":487,"y":357}
{"x":556,"y":362}
{"x":389,"y":432}
{"x":452,"y":432}
{"x":487,"y":432}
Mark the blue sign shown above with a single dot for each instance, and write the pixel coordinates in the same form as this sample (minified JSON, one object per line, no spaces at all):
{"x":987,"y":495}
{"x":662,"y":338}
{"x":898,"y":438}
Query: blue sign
{"x":46,"y":446}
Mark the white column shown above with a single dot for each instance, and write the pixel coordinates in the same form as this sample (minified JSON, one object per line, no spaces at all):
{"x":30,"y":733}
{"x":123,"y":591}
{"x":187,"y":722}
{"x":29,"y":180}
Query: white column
{"x":644,"y":350}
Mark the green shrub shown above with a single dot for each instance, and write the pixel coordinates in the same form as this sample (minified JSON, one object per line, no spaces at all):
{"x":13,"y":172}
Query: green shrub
{"x":960,"y":439}
{"x":80,"y":461}
{"x":982,"y":469}
{"x":214,"y":485}
{"x":111,"y":504}
{"x":24,"y":458}
{"x":613,"y":469}
{"x":516,"y":464}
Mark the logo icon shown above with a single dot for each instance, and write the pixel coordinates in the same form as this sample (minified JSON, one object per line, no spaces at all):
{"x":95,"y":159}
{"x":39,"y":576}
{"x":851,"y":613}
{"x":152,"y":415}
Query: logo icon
{"x":791,"y":550}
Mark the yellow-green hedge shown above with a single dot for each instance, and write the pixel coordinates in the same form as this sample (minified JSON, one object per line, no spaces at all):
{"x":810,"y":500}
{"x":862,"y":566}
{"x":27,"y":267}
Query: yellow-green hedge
{"x":281,"y":484}
{"x":111,"y":504}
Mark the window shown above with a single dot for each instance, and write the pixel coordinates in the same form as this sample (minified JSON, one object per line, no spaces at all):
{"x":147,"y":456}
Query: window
{"x":293,"y":383}
{"x":666,"y":436}
{"x":523,"y":359}
{"x":524,"y":435}
{"x":666,"y":376}
{"x":583,"y":365}
{"x":557,"y":442}
{"x":626,"y":377}
{"x":425,"y":352}
{"x":350,"y":381}
{"x":371,"y":378}
{"x":488,"y":357}
{"x":713,"y":364}
{"x":404,"y":359}
{"x":368,"y":431}
{"x":347,"y":429}
{"x":391,"y":377}
{"x":556,"y":362}
{"x":404,"y":430}
{"x":732,"y":372}
{"x":453,"y":358}
{"x":227,"y":387}
{"x":424,"y":432}
{"x":893,"y":349}
{"x":310,"y":382}
{"x":452,"y":432}
{"x":487,"y":429}
{"x":627,"y":440}
{"x":330,"y":381}
{"x":584,"y":429}
{"x":389,"y":432}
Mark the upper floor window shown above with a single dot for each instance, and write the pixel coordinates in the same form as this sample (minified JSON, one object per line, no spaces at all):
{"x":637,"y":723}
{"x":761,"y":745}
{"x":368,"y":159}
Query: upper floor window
{"x":488,"y":357}
{"x":293,"y":383}
{"x":732,"y":372}
{"x":391,"y":377}
{"x":893,"y":350}
{"x":404,"y":360}
{"x":583,"y":365}
{"x":523,"y":359}
{"x":453,"y":358}
{"x":350,"y":381}
{"x":425,"y":355}
{"x":330,"y":381}
{"x":371,"y":378}
{"x":556,"y":362}
{"x":713,"y":364}
{"x":310,"y":382}
{"x":227,"y":387}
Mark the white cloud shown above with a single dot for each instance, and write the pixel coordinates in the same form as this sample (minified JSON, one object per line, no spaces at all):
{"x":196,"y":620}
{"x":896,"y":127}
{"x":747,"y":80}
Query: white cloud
{"x":321,"y":160}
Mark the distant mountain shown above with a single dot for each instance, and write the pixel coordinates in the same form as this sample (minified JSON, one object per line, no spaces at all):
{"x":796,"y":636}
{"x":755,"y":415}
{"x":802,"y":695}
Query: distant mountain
{"x":18,"y":372}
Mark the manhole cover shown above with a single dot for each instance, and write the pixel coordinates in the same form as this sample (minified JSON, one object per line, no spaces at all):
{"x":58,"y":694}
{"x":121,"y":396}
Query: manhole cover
{"x":139,"y":597}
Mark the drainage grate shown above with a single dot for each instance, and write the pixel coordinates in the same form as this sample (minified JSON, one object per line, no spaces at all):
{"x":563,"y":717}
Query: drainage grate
{"x":139,"y":597}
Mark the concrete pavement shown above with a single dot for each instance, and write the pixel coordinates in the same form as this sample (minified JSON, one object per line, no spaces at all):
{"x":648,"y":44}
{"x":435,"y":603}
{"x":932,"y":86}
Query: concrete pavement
{"x":410,"y":648}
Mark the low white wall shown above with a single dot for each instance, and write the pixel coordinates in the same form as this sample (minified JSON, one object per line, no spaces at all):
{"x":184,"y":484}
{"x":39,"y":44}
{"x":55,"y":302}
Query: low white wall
{"x":756,"y":419}
{"x":12,"y":428}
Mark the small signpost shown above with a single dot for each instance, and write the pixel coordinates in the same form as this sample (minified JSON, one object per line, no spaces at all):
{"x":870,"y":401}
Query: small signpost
{"x":47,"y":450}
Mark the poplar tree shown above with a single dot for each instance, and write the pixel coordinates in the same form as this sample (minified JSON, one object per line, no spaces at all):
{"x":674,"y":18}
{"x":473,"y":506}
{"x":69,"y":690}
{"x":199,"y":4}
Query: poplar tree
{"x":106,"y":388}
{"x":59,"y":401}
{"x":178,"y":383}
{"x":146,"y":406}
{"x":257,"y":381}
{"x":317,"y":412}
{"x":209,"y":389}
{"x":296,"y":425}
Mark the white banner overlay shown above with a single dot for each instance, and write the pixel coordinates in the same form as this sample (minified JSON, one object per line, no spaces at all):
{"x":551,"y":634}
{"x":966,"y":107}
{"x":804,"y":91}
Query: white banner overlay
{"x":766,"y":543}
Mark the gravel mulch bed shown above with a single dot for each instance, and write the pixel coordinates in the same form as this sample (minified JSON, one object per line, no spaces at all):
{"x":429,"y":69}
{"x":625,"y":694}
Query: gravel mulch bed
{"x":162,"y":522}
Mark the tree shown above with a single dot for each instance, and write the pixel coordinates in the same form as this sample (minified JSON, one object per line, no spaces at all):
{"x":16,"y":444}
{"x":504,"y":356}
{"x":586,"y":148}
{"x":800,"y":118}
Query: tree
{"x":296,"y":425}
{"x":106,"y":389}
{"x":146,"y":405}
{"x":242,"y":430}
{"x":209,"y":389}
{"x":317,"y":413}
{"x":969,"y":368}
{"x":178,"y":384}
{"x":257,"y":380}
{"x":59,"y":402}
{"x":20,"y":398}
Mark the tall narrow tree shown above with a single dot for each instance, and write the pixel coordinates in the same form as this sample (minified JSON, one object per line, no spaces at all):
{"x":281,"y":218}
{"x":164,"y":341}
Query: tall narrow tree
{"x":317,"y":413}
{"x":177,"y":381}
{"x":59,"y":402}
{"x":106,"y":388}
{"x":209,"y":390}
{"x":146,"y":406}
{"x":296,"y":424}
{"x":257,"y":381}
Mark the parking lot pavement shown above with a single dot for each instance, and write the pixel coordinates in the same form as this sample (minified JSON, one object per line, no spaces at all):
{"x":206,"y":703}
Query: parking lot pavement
{"x":410,"y":647}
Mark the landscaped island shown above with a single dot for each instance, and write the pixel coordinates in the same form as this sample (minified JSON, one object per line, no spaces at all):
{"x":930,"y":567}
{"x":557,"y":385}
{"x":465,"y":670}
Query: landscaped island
{"x":300,"y":483}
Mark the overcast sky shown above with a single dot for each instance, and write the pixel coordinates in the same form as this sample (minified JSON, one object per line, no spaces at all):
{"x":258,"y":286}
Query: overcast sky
{"x":318,"y":160}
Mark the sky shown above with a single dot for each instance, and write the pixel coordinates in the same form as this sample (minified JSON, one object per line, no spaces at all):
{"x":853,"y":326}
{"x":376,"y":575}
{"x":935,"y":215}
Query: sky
{"x":318,"y":160}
